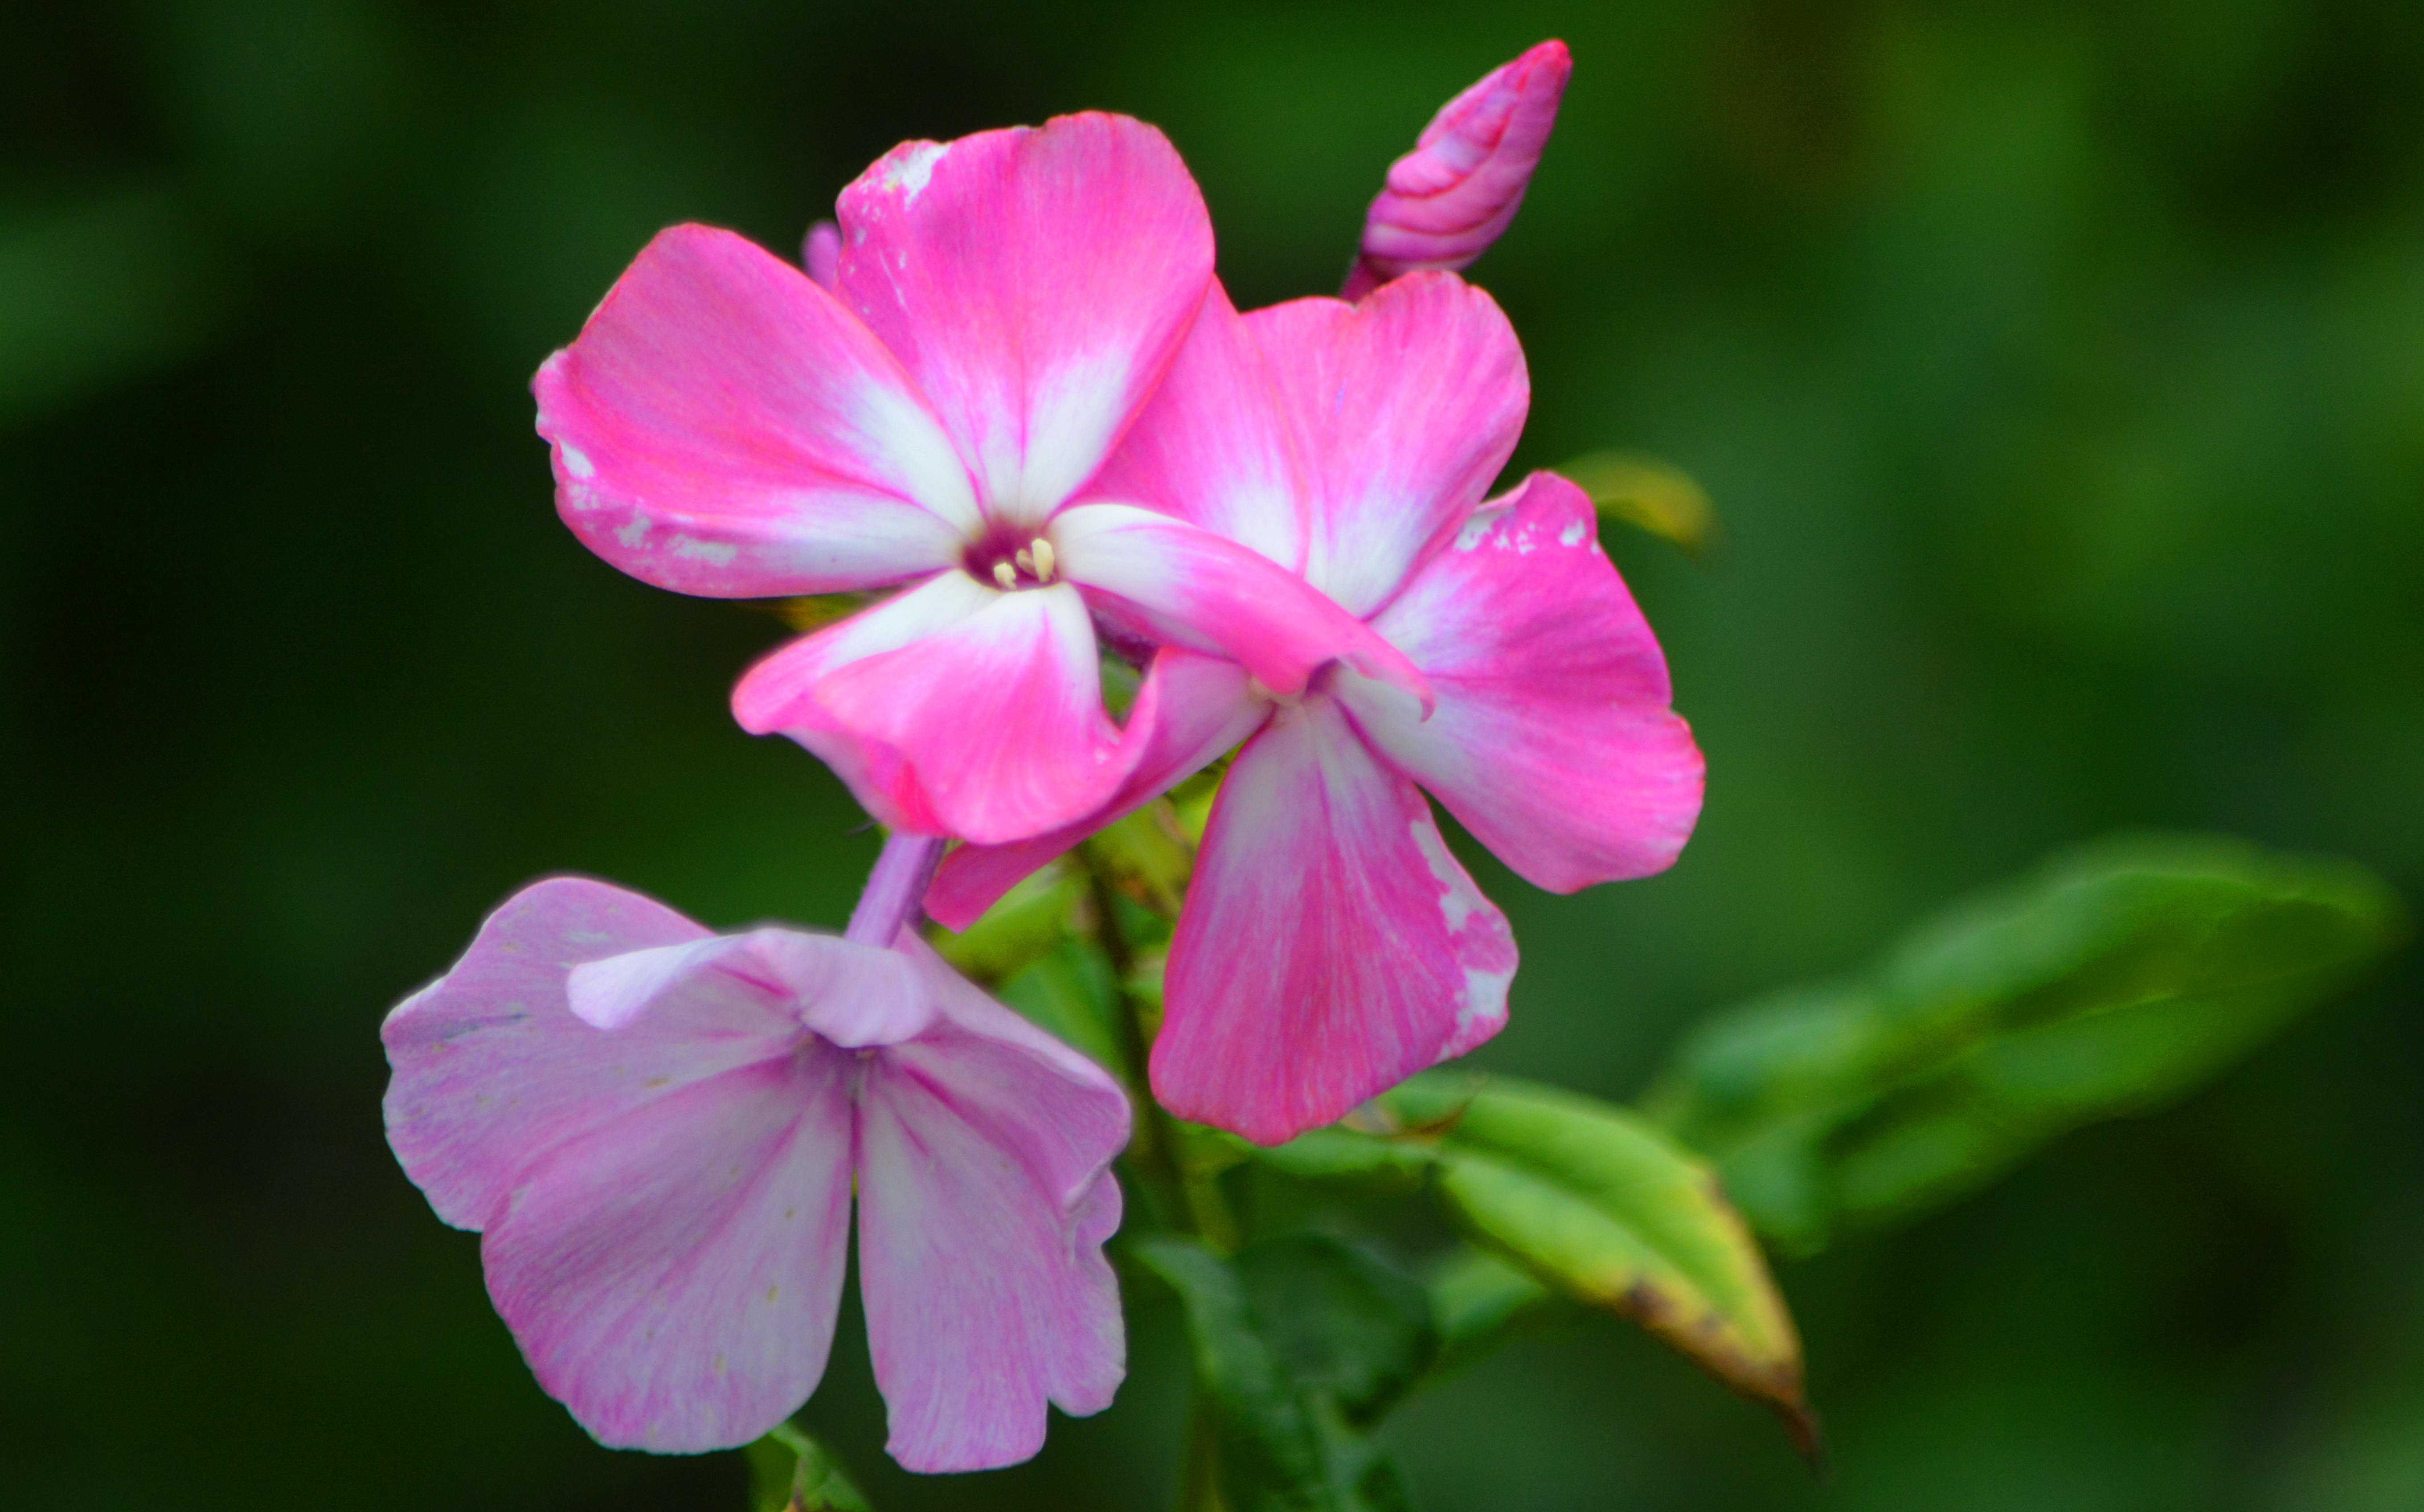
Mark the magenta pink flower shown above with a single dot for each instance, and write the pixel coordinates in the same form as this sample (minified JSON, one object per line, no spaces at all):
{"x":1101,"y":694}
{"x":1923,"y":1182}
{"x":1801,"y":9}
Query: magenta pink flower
{"x":656,"y":1131}
{"x":1330,"y":945}
{"x":1001,"y":308}
{"x":1457,"y":190}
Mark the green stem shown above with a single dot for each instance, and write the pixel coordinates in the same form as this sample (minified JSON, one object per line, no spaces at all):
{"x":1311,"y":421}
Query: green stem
{"x":1191,"y":1202}
{"x":1198,"y":1474}
{"x":1152,"y":1150}
{"x":1216,"y":1223}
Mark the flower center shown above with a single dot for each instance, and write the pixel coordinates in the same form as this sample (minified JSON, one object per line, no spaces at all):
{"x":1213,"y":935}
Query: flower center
{"x":1009,"y":563}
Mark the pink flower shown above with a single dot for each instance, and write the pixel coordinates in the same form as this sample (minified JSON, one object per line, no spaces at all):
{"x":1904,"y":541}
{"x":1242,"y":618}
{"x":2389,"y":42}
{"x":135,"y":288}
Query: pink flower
{"x":1001,"y":308}
{"x":1457,"y":190}
{"x":656,"y":1131}
{"x":1330,"y":945}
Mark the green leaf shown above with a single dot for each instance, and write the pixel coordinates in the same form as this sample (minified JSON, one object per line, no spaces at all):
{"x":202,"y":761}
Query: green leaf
{"x":1427,"y":1104}
{"x":1655,"y":496}
{"x":2113,"y":980}
{"x":790,"y":1471}
{"x":1070,"y":995}
{"x":1388,"y":1145}
{"x":1598,"y":1205}
{"x":1346,"y":1157}
{"x":1025,"y":924}
{"x":1479,"y":1299}
{"x":1301,"y":1344}
{"x":1348,"y":1325}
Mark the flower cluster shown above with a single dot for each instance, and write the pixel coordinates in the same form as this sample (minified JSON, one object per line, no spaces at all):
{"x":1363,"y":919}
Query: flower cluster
{"x":1007,"y":401}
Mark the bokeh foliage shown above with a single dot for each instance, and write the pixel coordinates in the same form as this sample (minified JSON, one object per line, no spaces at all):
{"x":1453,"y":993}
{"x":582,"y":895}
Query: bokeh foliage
{"x":2118,"y":979}
{"x":2057,"y":371}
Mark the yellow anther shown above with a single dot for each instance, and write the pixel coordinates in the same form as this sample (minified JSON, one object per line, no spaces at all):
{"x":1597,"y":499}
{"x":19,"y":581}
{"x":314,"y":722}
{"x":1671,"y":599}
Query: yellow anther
{"x":1042,"y":549}
{"x":1004,"y":574}
{"x":1026,"y":561}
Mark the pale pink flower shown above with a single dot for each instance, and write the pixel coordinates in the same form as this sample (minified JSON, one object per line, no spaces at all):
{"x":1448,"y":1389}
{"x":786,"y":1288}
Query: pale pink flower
{"x":656,"y":1131}
{"x":1001,"y":308}
{"x":1330,"y":945}
{"x":1459,"y":189}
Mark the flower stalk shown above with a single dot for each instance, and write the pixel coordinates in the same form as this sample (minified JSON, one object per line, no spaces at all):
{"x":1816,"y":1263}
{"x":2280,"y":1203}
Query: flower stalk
{"x":895,"y":893}
{"x":1190,"y":1199}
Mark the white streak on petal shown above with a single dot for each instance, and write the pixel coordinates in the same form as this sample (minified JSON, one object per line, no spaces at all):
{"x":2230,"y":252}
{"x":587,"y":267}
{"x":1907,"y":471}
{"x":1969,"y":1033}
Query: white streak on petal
{"x":1074,"y":414}
{"x":1458,"y":898}
{"x":910,"y":169}
{"x":906,"y":435}
{"x":1482,"y":1013}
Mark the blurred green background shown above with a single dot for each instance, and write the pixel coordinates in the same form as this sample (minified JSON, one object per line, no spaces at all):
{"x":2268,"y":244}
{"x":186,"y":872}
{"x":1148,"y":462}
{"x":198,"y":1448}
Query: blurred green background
{"x":2058,"y":371}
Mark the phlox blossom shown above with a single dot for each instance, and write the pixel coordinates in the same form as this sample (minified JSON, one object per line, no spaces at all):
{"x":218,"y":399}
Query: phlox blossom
{"x":1330,"y":945}
{"x":656,"y":1131}
{"x":999,"y":309}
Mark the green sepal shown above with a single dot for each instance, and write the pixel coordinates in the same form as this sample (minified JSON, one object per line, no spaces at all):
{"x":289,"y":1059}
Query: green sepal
{"x":790,"y":1471}
{"x":810,"y":612}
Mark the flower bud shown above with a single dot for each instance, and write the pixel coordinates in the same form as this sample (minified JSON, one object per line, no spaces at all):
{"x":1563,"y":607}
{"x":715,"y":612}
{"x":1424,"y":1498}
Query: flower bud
{"x":1450,"y":197}
{"x":821,"y":254}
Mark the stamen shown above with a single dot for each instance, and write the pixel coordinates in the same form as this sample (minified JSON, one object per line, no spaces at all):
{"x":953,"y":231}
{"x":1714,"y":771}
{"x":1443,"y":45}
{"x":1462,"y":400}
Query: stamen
{"x":1042,"y":549}
{"x":1026,"y":562}
{"x":1004,"y":574}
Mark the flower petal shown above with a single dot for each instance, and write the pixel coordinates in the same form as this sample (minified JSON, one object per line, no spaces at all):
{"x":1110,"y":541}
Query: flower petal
{"x":1205,"y":708}
{"x":492,"y":1069}
{"x":672,"y":1276}
{"x":853,"y":994}
{"x":1330,"y":945}
{"x":954,"y":710}
{"x":1209,"y":593}
{"x":1552,"y":742}
{"x":769,"y":692}
{"x":984,"y":1199}
{"x":820,"y":253}
{"x":723,"y":427}
{"x":1405,"y":405}
{"x":1036,"y":283}
{"x":1212,"y":446}
{"x":1457,"y":190}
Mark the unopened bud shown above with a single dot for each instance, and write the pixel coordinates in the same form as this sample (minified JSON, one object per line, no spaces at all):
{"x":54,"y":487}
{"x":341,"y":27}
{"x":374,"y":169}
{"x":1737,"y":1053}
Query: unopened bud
{"x":1457,"y":191}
